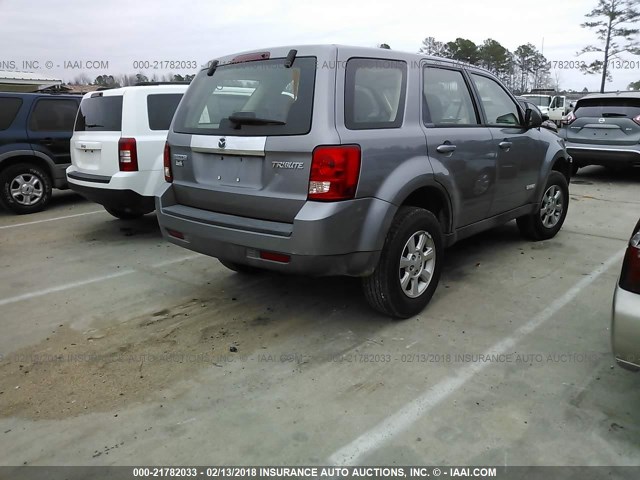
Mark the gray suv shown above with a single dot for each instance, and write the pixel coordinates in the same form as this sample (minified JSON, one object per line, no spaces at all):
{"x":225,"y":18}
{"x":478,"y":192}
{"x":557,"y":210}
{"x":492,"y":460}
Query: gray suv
{"x":334,"y":160}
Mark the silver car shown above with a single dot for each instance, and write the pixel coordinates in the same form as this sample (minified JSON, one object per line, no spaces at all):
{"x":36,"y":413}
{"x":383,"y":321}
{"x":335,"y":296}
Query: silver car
{"x":625,"y":322}
{"x":604,"y":129}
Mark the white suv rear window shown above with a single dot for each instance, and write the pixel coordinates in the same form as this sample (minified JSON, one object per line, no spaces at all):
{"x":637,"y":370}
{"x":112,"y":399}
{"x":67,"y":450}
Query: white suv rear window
{"x":100,"y":114}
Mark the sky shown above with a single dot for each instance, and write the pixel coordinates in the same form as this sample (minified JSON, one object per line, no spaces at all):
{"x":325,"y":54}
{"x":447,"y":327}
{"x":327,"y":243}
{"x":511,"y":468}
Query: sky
{"x":67,"y":38}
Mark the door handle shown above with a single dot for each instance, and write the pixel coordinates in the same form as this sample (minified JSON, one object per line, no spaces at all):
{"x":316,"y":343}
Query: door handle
{"x":446,"y":148}
{"x":505,"y":145}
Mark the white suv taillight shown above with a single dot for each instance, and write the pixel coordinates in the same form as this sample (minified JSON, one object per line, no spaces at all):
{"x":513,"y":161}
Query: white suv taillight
{"x":334,"y":173}
{"x":128,"y":155}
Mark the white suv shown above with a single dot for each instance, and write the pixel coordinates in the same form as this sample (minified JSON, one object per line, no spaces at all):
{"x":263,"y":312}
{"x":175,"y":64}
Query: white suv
{"x":117,"y":146}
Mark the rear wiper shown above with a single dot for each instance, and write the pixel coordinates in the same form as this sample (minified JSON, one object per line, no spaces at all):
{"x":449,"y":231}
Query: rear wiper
{"x":249,"y":118}
{"x":613,"y":114}
{"x":93,"y":125}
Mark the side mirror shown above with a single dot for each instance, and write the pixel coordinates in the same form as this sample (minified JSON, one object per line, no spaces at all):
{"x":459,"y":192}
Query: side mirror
{"x":532,"y":118}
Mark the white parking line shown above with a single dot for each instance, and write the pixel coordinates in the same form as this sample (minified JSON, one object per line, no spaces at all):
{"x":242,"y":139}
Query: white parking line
{"x":67,"y":286}
{"x":404,"y":418}
{"x":51,"y":219}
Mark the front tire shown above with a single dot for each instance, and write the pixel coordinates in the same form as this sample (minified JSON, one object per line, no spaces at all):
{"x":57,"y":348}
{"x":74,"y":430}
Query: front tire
{"x":25,"y":188}
{"x":410,"y":264}
{"x":547,"y":220}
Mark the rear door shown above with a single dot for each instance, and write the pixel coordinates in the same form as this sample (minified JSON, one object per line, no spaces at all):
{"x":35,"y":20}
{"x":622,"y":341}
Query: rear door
{"x":606,"y":121}
{"x":240,"y":143}
{"x":456,"y":140}
{"x":50,"y":126}
{"x":97,"y":131}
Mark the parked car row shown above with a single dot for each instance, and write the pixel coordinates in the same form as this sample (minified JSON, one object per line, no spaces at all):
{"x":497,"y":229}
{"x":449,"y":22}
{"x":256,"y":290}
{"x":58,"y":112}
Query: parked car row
{"x":269,"y":162}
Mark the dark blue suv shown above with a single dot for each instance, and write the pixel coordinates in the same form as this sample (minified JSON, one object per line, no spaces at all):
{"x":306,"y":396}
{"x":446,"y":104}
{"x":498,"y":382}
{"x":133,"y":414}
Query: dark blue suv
{"x":35,"y":131}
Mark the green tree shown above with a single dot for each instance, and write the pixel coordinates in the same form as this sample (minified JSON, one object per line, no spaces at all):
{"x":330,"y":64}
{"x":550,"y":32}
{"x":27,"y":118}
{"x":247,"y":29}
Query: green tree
{"x":430,"y":46}
{"x":385,"y":46}
{"x":533,"y":67}
{"x":495,"y":58}
{"x":464,"y":50}
{"x":634,"y":85}
{"x":106,"y":81}
{"x":141,"y":77}
{"x":613,"y":21}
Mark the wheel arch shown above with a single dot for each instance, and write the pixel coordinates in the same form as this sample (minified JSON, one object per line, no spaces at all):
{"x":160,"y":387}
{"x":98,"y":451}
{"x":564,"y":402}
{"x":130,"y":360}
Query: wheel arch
{"x":28,"y":156}
{"x":432,"y":197}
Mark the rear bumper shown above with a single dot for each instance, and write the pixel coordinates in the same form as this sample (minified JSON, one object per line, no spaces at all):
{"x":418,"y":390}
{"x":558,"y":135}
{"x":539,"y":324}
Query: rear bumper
{"x":341,"y":238}
{"x":145,"y":182}
{"x":625,"y":329}
{"x":605,"y":155}
{"x":116,"y":199}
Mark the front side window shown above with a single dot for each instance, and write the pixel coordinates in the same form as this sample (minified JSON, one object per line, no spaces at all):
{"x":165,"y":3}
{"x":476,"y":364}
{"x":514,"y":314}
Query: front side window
{"x":375,"y":93}
{"x":498,"y":106}
{"x":252,"y":98}
{"x":9,"y":107}
{"x":53,"y":115}
{"x":447,"y":99}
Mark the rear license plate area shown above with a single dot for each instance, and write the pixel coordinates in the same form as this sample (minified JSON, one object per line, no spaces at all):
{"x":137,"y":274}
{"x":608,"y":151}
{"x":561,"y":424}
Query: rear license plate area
{"x":229,"y":170}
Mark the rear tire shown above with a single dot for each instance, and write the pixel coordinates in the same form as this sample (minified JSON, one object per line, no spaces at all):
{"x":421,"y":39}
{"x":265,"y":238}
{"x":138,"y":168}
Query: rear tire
{"x":239,"y":268}
{"x":25,"y":188}
{"x":127,"y":213}
{"x":410,"y":264}
{"x":548,"y":218}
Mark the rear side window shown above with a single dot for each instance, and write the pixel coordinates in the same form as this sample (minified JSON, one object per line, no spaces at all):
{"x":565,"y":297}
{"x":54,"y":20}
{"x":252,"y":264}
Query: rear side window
{"x":447,"y":98}
{"x":251,"y":98}
{"x":100,"y":114}
{"x":608,"y":107}
{"x":160,"y":109}
{"x":374,"y":93}
{"x":9,"y":108}
{"x":53,"y":115}
{"x":497,"y":104}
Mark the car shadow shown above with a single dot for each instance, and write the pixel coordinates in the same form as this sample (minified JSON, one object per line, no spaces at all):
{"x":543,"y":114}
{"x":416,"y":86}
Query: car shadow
{"x":587,"y":175}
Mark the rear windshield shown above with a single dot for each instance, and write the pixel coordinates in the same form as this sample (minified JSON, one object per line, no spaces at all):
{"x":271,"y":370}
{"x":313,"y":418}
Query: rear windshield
{"x":262,"y":97}
{"x":100,"y":114}
{"x":8,"y":110}
{"x":160,"y":109}
{"x":608,"y":107}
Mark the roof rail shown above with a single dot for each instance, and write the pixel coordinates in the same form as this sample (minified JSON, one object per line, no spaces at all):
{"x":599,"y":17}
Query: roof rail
{"x":145,"y":84}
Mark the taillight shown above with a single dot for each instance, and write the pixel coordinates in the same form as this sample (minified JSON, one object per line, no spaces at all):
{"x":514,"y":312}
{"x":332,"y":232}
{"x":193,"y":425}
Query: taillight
{"x":569,"y":119}
{"x":334,"y":172}
{"x":637,"y":119}
{"x":630,"y":276}
{"x":168,"y":174}
{"x":128,"y":155}
{"x":275,"y":257}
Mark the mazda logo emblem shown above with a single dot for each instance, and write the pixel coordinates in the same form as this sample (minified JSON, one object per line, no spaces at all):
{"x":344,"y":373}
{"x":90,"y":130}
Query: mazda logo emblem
{"x":222,"y":143}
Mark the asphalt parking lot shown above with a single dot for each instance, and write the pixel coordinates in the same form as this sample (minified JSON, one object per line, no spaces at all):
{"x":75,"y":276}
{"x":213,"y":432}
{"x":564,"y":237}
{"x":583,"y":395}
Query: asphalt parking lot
{"x":120,"y":349}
